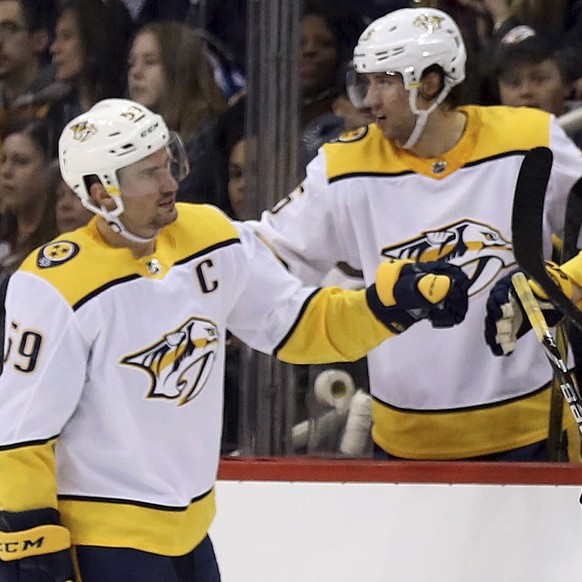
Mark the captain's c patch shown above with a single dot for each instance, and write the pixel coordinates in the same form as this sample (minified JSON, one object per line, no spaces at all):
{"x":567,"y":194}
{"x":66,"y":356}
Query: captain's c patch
{"x":56,"y":253}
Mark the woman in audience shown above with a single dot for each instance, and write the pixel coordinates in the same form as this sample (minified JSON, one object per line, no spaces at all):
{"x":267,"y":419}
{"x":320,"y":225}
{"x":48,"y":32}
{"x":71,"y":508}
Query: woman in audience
{"x":170,"y":73}
{"x":329,"y":33}
{"x":70,"y":213}
{"x":27,"y":193}
{"x":89,"y":54}
{"x":27,"y":200}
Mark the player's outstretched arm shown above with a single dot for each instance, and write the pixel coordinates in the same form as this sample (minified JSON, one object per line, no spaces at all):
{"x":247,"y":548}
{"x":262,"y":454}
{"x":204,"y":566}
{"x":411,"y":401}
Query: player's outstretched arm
{"x":34,"y":546}
{"x":505,"y":320}
{"x":406,"y":292}
{"x":274,"y":313}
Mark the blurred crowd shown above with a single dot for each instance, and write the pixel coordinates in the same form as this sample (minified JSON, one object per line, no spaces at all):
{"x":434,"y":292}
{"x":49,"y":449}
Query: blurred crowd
{"x":186,"y":60}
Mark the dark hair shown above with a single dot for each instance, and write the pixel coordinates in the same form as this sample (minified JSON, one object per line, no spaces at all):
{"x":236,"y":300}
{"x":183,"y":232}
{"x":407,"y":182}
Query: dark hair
{"x":105,"y":30}
{"x":526,"y":45}
{"x":40,"y":133}
{"x":345,"y":23}
{"x":39,"y":14}
{"x":193,"y":96}
{"x":456,"y":95}
{"x":230,"y":129}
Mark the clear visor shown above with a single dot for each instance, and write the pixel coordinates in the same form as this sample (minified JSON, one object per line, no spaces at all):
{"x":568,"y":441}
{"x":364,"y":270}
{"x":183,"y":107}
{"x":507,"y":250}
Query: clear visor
{"x":358,"y":84}
{"x":178,"y":163}
{"x":357,"y":87}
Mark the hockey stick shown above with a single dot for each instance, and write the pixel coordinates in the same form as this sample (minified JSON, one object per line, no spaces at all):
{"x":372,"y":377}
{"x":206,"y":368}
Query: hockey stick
{"x":541,"y":329}
{"x":527,"y":227}
{"x":527,"y":235}
{"x":565,"y":330}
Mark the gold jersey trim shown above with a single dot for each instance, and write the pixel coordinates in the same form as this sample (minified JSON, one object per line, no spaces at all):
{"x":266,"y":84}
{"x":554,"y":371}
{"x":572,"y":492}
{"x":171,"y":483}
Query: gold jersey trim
{"x":171,"y":532}
{"x":450,"y":435}
{"x":198,"y":229}
{"x":375,"y":156}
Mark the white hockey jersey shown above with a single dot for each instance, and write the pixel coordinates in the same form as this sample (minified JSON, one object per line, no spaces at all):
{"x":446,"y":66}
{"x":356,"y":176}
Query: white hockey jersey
{"x":113,"y":375}
{"x":438,"y":393}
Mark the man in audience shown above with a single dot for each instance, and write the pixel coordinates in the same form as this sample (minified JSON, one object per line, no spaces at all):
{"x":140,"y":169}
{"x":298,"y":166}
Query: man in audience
{"x":532,"y":70}
{"x":26,"y":27}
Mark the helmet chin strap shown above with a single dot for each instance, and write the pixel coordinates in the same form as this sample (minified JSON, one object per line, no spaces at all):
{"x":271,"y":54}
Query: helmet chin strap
{"x":118,"y":227}
{"x":421,"y":114}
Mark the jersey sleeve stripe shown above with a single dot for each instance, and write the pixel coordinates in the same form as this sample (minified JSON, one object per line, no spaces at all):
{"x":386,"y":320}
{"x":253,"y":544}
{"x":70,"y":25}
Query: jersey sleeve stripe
{"x":34,"y":443}
{"x":296,"y":323}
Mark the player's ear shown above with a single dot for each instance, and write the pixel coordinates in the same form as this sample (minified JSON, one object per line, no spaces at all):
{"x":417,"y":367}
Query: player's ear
{"x":100,"y":196}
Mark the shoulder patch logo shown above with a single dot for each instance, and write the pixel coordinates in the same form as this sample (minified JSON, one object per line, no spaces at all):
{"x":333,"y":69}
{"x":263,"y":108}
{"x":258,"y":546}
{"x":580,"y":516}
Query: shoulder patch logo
{"x":353,"y":134}
{"x":56,"y":253}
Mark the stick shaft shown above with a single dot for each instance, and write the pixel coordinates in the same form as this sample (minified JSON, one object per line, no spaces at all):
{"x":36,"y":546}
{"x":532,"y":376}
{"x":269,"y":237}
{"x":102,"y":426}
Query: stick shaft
{"x":542,"y":331}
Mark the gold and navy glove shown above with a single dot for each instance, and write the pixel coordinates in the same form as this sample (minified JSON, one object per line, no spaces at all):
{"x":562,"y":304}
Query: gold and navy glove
{"x":34,"y":547}
{"x":406,"y":292}
{"x":506,"y":322}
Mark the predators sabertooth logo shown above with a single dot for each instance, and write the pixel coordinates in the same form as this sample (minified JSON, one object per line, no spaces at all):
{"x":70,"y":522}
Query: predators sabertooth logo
{"x":181,"y":362}
{"x":428,"y":22}
{"x":83,"y":131}
{"x":479,"y":249}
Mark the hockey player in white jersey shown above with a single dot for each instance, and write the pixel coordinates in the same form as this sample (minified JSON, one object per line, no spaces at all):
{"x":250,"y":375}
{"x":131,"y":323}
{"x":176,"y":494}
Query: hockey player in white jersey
{"x":430,"y":180}
{"x":112,"y":389}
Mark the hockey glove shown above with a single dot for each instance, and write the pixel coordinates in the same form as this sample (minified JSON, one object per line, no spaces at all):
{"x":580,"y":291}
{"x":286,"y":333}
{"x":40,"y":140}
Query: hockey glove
{"x":34,"y":547}
{"x":506,"y":322}
{"x":406,"y":292}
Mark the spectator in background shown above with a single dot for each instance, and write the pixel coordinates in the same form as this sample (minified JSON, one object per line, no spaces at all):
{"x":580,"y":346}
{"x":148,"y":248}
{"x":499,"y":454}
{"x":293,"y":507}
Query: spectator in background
{"x":531,"y":70}
{"x":170,"y":74}
{"x":26,"y":27}
{"x":26,"y":191}
{"x":89,"y":54}
{"x":342,"y":117}
{"x":490,"y":20}
{"x":231,"y":145}
{"x":70,"y":212}
{"x":236,"y":180}
{"x":27,"y":197}
{"x":328,"y":35}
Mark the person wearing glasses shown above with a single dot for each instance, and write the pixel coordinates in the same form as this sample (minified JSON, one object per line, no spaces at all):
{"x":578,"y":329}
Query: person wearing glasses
{"x":25,"y":30}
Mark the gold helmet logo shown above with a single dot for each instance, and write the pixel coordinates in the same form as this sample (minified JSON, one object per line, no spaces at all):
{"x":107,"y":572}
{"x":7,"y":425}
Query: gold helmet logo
{"x":430,"y":23}
{"x":83,"y":131}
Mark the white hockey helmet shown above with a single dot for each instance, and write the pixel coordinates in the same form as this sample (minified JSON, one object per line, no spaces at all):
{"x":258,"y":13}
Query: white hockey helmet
{"x":410,"y":40}
{"x":113,"y":134}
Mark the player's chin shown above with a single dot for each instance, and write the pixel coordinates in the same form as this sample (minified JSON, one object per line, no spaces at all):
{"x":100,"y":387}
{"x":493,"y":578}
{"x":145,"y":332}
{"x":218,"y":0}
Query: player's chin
{"x":167,"y":216}
{"x":172,"y":214}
